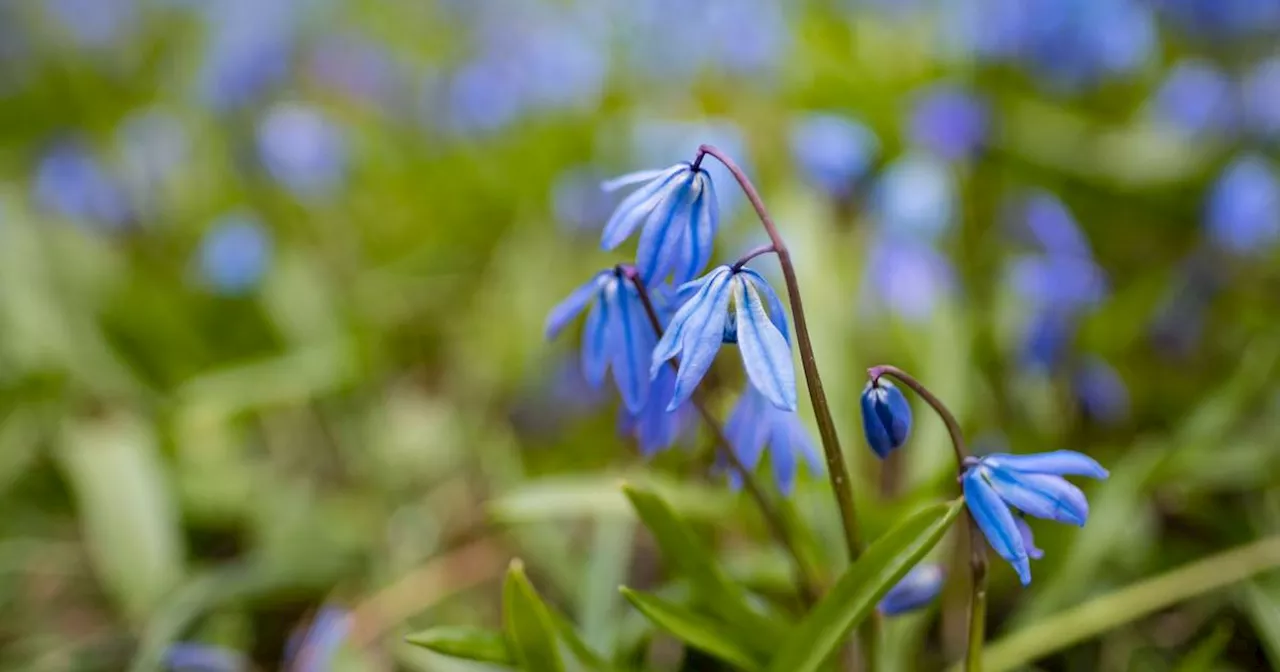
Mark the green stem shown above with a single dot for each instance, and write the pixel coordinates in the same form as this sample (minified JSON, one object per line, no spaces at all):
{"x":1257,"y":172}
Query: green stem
{"x":837,"y":471}
{"x":1100,"y":614}
{"x":977,"y":548}
{"x":774,"y":518}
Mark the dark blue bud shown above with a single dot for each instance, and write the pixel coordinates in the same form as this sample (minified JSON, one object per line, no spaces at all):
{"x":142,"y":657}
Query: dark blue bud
{"x":730,"y":335}
{"x":886,"y":417}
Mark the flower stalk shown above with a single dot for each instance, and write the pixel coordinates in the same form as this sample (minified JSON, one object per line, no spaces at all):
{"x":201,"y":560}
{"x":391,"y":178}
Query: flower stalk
{"x":776,"y":522}
{"x":977,"y":547}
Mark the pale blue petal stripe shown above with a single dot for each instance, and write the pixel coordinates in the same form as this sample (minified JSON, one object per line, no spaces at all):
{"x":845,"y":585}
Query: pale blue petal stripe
{"x":777,"y":314}
{"x":635,"y":207}
{"x":595,"y":341}
{"x":663,"y":234}
{"x":996,"y":522}
{"x":632,"y":350}
{"x":1057,"y":462}
{"x":1047,"y":497}
{"x":701,"y":337}
{"x":639,"y":176}
{"x":672,"y":338}
{"x":765,"y":353}
{"x":571,"y":307}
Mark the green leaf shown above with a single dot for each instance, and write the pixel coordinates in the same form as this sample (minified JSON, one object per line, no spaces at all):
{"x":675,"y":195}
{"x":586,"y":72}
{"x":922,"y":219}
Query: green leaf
{"x":529,"y":628}
{"x":683,"y":549}
{"x":478,"y":644}
{"x":694,"y":629}
{"x":574,"y":497}
{"x":853,"y":597}
{"x":1103,"y":613}
{"x":1261,"y":602}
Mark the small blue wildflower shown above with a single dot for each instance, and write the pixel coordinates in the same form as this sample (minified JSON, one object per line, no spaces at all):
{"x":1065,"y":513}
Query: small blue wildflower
{"x":917,"y":589}
{"x":908,"y":277}
{"x":832,"y":151}
{"x":698,"y":330}
{"x":1063,"y":283}
{"x":950,"y":122}
{"x":1260,"y":98}
{"x":234,"y":254}
{"x":996,"y":485}
{"x":301,"y":149}
{"x":95,"y":23}
{"x":680,"y":215}
{"x":617,"y":335}
{"x":886,"y":417}
{"x":1051,"y":225}
{"x":193,"y":657}
{"x":1195,"y":98}
{"x":756,"y":423}
{"x":1101,"y":391}
{"x":916,"y":197}
{"x":655,"y":428}
{"x":1243,"y":213}
{"x":314,"y":650}
{"x":71,"y":182}
{"x":1046,"y":338}
{"x":248,"y":50}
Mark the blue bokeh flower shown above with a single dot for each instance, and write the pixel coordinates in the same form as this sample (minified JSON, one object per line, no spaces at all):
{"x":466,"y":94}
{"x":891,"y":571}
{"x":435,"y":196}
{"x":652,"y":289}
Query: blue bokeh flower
{"x":1195,"y":98}
{"x":195,"y":657}
{"x":698,"y":330}
{"x":315,"y":649}
{"x":949,"y":121}
{"x":754,"y":424}
{"x":1243,"y":212}
{"x":302,"y":149}
{"x":832,"y":151}
{"x":618,"y":335}
{"x":248,"y":50}
{"x":680,"y":214}
{"x":907,"y":277}
{"x":654,"y":427}
{"x":95,"y":23}
{"x":1101,"y":392}
{"x":234,"y":254}
{"x":917,"y":589}
{"x":71,"y":182}
{"x":886,"y":417}
{"x":916,"y":197}
{"x":997,"y":485}
{"x":1260,"y":98}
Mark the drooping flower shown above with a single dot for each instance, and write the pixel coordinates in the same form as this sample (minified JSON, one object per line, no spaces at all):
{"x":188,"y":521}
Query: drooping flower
{"x":654,"y":427}
{"x":1243,"y":212}
{"x":886,"y":417}
{"x":997,"y":485}
{"x":754,"y":424}
{"x":234,"y":254}
{"x":832,"y":151}
{"x":950,"y":121}
{"x":679,"y":211}
{"x":1101,"y":391}
{"x":918,"y":588}
{"x":302,"y":149}
{"x":698,"y":330}
{"x":617,"y":336}
{"x":1195,"y":99}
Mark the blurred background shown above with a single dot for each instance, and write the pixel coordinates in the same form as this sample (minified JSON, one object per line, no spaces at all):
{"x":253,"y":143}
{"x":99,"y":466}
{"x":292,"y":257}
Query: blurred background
{"x":273,"y":275}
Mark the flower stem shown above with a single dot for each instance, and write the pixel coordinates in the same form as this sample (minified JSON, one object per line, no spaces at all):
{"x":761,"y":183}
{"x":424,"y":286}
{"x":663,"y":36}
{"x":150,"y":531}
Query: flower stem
{"x":837,"y":471}
{"x":773,"y":517}
{"x":977,"y":548}
{"x":757,"y":252}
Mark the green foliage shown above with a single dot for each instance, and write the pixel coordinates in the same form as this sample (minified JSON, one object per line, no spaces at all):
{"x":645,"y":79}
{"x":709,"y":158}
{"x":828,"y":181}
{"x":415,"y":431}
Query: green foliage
{"x":465,"y":642}
{"x":702,"y":632}
{"x":527,"y":623}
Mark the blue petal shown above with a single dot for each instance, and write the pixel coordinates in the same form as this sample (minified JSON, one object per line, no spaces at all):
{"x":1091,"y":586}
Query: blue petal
{"x":655,"y":428}
{"x":664,"y":232}
{"x":777,"y":314}
{"x":746,"y":430}
{"x":632,"y":347}
{"x":571,"y":307}
{"x":782,"y":454}
{"x":1057,"y":463}
{"x":701,"y":337}
{"x":595,"y":344}
{"x":691,"y":295}
{"x":705,"y":219}
{"x":635,"y":207}
{"x":918,"y":588}
{"x":1028,"y":541}
{"x":1042,"y":496}
{"x":996,"y":522}
{"x":636,"y":177}
{"x":765,"y":353}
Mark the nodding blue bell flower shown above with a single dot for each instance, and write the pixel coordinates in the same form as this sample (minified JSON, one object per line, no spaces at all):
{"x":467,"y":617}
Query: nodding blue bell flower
{"x":680,"y":214}
{"x":917,"y":589}
{"x":998,"y":485}
{"x":756,"y":423}
{"x":698,"y":330}
{"x":886,"y":417}
{"x":617,"y":336}
{"x":654,"y":428}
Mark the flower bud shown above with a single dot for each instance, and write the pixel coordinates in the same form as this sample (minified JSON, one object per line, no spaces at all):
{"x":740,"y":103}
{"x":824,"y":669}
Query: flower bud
{"x":918,"y":588}
{"x":886,"y":417}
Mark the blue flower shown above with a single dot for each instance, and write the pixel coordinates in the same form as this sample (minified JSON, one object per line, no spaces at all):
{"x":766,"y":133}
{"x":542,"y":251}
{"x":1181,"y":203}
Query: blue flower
{"x":756,"y":423}
{"x":886,"y":417}
{"x":908,"y":277}
{"x":194,"y":657}
{"x":248,"y":50}
{"x":950,"y":122}
{"x":234,"y":254}
{"x":315,"y":649}
{"x":832,"y":151}
{"x":918,"y":588}
{"x":1243,"y":213}
{"x":1260,"y":98}
{"x":654,"y":427}
{"x":698,"y":329}
{"x":1195,"y":99}
{"x":680,"y":214}
{"x":916,"y":197}
{"x":71,"y":182}
{"x":617,"y":335}
{"x":997,"y":485}
{"x":301,"y":149}
{"x":1101,"y":391}
{"x":1051,"y":225}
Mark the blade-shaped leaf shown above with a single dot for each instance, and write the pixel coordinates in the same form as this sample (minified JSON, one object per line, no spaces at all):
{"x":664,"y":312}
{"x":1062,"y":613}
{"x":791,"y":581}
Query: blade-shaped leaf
{"x":694,"y":629}
{"x":683,"y":549}
{"x":1261,"y":602}
{"x":856,"y":593}
{"x":531,"y":635}
{"x":479,"y":644}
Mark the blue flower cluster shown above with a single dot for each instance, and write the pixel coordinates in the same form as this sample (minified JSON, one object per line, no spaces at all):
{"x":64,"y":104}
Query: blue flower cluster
{"x":660,"y":339}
